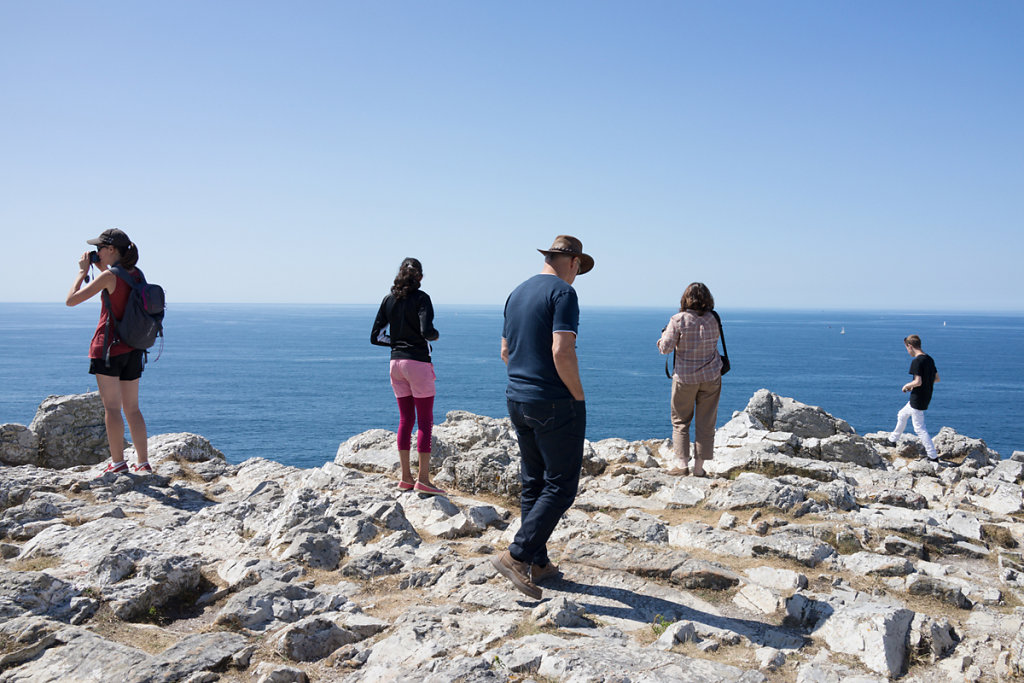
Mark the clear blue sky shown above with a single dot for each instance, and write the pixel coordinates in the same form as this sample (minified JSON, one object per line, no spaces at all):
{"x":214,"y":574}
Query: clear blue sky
{"x":789,"y":154}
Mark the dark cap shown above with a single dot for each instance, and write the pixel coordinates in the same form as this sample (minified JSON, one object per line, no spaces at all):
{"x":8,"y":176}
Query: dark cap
{"x":567,"y":245}
{"x":112,"y":237}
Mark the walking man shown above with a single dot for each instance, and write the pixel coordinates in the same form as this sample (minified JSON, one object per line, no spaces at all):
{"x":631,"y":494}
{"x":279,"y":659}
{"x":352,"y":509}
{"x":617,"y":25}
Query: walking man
{"x":546,"y":405}
{"x":922,"y":367}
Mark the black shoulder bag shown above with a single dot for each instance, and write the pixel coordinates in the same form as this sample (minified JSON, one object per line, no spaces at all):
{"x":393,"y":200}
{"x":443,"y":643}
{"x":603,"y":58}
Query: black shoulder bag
{"x":725,"y":351}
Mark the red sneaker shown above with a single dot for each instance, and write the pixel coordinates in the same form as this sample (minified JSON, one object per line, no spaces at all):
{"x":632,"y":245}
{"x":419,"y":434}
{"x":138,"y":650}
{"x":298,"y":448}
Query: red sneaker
{"x":404,"y":485}
{"x":143,"y":468}
{"x":115,"y":468}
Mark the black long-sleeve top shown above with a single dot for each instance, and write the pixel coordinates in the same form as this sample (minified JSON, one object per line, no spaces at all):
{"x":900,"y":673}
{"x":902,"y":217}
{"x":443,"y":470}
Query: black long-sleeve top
{"x":411,"y":322}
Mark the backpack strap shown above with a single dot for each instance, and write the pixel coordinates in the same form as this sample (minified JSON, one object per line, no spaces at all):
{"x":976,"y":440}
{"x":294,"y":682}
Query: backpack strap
{"x":129,"y":280}
{"x":108,"y":342}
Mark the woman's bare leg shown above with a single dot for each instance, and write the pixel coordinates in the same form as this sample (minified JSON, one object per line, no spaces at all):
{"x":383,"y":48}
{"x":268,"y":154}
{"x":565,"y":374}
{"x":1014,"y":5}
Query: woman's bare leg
{"x":110,"y":394}
{"x":136,"y":423}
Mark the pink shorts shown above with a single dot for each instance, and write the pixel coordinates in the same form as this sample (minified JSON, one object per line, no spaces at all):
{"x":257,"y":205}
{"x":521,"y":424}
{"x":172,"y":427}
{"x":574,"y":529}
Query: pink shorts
{"x":412,"y":378}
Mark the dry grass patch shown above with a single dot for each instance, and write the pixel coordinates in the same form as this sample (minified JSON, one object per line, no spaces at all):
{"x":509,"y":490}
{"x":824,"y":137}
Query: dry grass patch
{"x":8,"y":645}
{"x":998,"y":534}
{"x":383,"y":598}
{"x":500,"y":502}
{"x":74,"y":520}
{"x":146,"y":637}
{"x":35,"y":564}
{"x":740,"y":656}
{"x":188,"y":474}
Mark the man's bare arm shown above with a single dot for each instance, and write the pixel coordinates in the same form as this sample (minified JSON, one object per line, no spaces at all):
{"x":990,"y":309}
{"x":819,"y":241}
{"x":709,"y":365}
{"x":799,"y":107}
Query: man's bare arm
{"x":563,"y":349}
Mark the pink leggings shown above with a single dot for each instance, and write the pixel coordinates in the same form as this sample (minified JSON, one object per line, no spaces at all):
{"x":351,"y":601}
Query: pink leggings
{"x":409,"y":409}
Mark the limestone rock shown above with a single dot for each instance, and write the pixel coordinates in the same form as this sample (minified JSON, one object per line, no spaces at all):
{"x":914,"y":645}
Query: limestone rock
{"x":372,"y":451}
{"x":932,"y":638}
{"x":71,"y":431}
{"x":560,"y":613}
{"x":184,"y":446}
{"x":871,"y":564}
{"x":779,"y":579}
{"x":849,"y":448}
{"x":19,"y":445}
{"x":271,"y":602}
{"x":780,"y":413}
{"x":75,"y":549}
{"x":756,"y":491}
{"x":939,"y":589}
{"x":955,"y":446}
{"x":153,"y":580}
{"x":874,"y":633}
{"x":266,"y":672}
{"x":38,"y":593}
{"x":312,"y":638}
{"x":676,"y":632}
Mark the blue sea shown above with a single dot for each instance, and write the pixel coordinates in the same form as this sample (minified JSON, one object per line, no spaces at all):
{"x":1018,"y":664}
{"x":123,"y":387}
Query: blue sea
{"x":291,"y":382}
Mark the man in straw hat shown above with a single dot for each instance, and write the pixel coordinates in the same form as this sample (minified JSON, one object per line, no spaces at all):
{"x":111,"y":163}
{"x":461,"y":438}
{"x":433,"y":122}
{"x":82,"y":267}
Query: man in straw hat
{"x":545,"y":402}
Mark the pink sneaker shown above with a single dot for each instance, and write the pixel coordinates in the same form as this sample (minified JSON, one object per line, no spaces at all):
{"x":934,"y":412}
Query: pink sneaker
{"x":420,"y":487}
{"x":115,"y":468}
{"x":404,"y":485}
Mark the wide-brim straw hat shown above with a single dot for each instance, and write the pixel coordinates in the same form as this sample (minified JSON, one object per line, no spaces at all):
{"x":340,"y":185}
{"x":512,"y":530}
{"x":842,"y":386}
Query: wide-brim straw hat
{"x":567,"y":245}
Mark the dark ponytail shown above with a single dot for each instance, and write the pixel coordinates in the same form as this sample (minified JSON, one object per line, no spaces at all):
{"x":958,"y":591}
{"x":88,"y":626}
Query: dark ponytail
{"x":129,"y":256}
{"x":408,"y":279}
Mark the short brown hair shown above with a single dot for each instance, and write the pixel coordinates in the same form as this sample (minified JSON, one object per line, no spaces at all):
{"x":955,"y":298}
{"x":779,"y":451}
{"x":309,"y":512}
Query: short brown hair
{"x":912,"y":340}
{"x":697,"y":298}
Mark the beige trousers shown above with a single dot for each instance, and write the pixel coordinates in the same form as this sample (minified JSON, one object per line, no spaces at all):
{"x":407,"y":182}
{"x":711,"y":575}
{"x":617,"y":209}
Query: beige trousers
{"x":696,"y":403}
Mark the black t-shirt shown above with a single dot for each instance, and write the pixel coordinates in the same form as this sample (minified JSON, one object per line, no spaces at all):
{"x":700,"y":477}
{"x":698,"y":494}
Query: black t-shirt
{"x":924,"y":367}
{"x":410,"y":322}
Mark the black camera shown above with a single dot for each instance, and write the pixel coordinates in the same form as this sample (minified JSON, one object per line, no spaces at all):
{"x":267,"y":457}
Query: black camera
{"x":94,"y":257}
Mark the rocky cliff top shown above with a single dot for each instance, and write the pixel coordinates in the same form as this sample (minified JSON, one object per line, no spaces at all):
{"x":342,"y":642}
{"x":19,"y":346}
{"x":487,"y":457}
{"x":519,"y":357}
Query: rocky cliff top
{"x":810,"y":554}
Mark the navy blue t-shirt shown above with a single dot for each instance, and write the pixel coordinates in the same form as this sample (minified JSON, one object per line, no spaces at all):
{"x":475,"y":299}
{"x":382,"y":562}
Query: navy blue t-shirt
{"x":535,"y":310}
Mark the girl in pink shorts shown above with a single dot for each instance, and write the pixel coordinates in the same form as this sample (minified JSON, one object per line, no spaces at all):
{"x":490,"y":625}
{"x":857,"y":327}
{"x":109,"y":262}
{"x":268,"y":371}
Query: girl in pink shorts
{"x":405,"y":323}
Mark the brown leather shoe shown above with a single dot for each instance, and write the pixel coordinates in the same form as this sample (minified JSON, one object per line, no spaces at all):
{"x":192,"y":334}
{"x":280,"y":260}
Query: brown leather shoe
{"x":518,"y":573}
{"x":679,"y":471}
{"x":548,"y":571}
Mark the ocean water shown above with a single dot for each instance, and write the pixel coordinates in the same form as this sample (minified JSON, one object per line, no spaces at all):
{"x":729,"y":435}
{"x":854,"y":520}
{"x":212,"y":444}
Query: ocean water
{"x":291,"y":382}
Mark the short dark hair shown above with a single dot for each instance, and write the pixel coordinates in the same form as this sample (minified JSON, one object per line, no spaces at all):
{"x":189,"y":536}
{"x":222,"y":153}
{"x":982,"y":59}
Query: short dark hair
{"x":697,"y":298}
{"x":912,"y":340}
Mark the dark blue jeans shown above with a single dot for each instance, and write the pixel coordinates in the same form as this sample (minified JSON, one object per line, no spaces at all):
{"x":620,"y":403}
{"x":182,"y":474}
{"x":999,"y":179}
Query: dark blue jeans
{"x":551,"y":445}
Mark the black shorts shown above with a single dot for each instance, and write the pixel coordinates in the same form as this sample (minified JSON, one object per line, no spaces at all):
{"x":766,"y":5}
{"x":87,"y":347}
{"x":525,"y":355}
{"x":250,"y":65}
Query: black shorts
{"x":126,"y":366}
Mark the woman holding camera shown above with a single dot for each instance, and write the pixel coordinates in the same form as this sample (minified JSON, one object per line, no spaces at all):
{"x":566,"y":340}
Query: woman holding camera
{"x":696,"y":379}
{"x":405,"y":322}
{"x":116,"y":365}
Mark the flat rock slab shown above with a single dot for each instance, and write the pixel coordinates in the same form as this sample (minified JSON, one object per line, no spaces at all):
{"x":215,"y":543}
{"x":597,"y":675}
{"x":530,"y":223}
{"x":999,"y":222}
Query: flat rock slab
{"x":630,"y":603}
{"x":572,"y":660}
{"x":785,"y":544}
{"x":80,"y":655}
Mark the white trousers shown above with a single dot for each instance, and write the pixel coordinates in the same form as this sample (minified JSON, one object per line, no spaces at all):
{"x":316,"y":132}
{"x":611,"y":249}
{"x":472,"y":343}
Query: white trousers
{"x":917,"y":417}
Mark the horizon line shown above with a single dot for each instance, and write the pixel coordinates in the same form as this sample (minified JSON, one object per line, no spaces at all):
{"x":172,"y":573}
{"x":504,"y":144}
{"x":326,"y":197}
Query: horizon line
{"x":800,"y":309}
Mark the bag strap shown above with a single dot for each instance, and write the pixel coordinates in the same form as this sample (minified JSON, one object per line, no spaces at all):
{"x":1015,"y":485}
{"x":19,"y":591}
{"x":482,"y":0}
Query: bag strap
{"x":721,"y":334}
{"x":107,"y":341}
{"x":129,"y":280}
{"x":668,"y":373}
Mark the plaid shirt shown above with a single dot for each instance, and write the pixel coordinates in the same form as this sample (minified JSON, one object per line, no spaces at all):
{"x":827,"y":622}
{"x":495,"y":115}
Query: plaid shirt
{"x":695,"y":340}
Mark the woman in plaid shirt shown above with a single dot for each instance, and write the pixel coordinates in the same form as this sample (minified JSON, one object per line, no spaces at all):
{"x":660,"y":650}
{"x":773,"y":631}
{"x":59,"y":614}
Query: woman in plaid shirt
{"x":697,"y":377}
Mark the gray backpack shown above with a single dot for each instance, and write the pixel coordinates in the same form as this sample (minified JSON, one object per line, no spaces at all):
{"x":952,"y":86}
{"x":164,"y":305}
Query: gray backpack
{"x":143,"y":317}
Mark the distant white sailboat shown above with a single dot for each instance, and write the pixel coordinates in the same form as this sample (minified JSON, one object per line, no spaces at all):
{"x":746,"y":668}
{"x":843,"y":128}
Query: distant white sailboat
{"x":842,"y":330}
